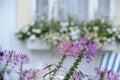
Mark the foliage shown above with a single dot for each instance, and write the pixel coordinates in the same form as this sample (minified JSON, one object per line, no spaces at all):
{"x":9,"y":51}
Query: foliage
{"x":101,"y":30}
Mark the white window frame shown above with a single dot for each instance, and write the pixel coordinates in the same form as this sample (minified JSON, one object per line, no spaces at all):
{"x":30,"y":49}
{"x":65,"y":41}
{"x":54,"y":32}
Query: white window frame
{"x":53,"y":3}
{"x":93,"y":8}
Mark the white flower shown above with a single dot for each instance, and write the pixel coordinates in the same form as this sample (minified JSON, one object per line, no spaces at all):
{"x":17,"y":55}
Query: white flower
{"x":96,"y":28}
{"x":113,"y":38}
{"x":109,"y":40}
{"x":64,"y":24}
{"x":28,"y":33}
{"x":114,"y":29}
{"x":95,"y":34}
{"x":74,"y":35}
{"x":109,"y":30}
{"x":63,"y":28}
{"x":104,"y":38}
{"x":118,"y":36}
{"x":32,"y":37}
{"x":96,"y":40}
{"x":36,"y":30}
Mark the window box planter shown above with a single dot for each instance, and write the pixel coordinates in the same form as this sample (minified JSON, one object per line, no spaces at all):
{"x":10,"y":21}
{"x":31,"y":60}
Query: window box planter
{"x":109,"y":47}
{"x":118,"y":46}
{"x":37,"y":44}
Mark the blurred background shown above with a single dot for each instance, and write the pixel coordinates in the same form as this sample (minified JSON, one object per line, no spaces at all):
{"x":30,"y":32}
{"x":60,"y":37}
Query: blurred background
{"x":36,"y":27}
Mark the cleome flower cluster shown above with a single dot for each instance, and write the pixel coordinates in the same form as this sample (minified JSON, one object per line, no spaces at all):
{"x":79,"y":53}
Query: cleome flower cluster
{"x":82,"y":46}
{"x":78,"y":49}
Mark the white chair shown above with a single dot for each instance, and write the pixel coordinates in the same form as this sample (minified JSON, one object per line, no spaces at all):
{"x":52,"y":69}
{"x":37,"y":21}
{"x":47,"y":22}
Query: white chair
{"x":110,"y":61}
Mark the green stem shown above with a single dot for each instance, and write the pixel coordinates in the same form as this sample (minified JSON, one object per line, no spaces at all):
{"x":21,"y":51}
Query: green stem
{"x":58,"y":67}
{"x":101,"y":79}
{"x":21,"y":67}
{"x":72,"y":69}
{"x":1,"y":78}
{"x":5,"y":66}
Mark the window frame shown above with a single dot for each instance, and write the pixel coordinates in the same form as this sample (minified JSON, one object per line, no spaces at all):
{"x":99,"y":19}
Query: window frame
{"x":53,"y":3}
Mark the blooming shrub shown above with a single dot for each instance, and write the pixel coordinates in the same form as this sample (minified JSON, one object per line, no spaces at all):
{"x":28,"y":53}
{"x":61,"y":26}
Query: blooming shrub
{"x":12,"y":59}
{"x":100,"y":30}
{"x":32,"y":74}
{"x":77,"y":49}
{"x":68,"y":48}
{"x":106,"y":74}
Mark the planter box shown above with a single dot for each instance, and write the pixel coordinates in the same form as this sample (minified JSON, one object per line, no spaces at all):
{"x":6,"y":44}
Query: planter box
{"x":109,"y":47}
{"x":37,"y":44}
{"x":117,"y":46}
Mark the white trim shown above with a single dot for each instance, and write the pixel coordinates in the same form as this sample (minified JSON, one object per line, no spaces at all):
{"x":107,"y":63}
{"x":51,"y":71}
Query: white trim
{"x":112,"y":9}
{"x":33,"y":7}
{"x":7,"y":22}
{"x":93,"y":7}
{"x":52,"y":5}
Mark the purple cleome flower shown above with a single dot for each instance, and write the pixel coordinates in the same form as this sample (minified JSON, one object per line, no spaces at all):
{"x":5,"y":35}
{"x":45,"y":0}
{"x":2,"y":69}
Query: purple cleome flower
{"x":77,"y":75}
{"x":1,"y":56}
{"x":32,"y":74}
{"x":82,"y":46}
{"x":86,"y":47}
{"x":68,"y":48}
{"x":106,"y":74}
{"x":20,"y":57}
{"x":1,"y":53}
{"x":12,"y":58}
{"x":6,"y":56}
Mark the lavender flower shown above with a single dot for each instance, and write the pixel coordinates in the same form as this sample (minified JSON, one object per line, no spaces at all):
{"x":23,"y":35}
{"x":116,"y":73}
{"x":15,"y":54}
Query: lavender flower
{"x":86,"y":47}
{"x":1,"y":56}
{"x":5,"y":60}
{"x":68,"y":48}
{"x":106,"y":74}
{"x":77,"y":75}
{"x":21,"y":57}
{"x":32,"y":74}
{"x":11,"y":58}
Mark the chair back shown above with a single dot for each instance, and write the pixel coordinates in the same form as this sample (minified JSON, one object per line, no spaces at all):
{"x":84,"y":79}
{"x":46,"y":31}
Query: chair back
{"x":110,"y":61}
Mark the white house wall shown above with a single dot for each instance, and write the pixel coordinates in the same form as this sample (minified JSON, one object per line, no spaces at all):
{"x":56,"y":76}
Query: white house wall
{"x":15,"y":14}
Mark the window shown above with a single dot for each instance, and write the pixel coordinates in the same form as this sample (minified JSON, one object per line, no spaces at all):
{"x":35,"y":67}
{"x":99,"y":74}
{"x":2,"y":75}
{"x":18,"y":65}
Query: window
{"x":104,"y":7}
{"x":42,"y":8}
{"x":75,"y":8}
{"x":83,"y":10}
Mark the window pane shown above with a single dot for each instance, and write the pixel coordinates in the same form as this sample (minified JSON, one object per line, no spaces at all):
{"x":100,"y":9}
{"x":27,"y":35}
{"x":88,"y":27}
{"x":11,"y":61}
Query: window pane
{"x":104,"y":7}
{"x":42,"y":8}
{"x":76,"y":8}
